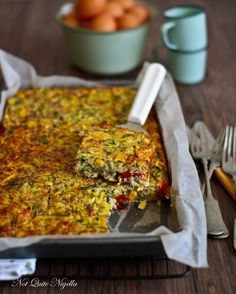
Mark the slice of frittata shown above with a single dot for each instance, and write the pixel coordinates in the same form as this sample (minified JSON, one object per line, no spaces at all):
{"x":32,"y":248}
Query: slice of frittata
{"x":116,"y":154}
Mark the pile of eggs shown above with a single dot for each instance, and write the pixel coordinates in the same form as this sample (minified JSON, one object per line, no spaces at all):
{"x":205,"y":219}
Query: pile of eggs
{"x":107,"y":15}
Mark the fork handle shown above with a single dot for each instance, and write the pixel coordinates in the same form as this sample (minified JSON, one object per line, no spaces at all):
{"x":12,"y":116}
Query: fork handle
{"x":215,"y":222}
{"x":226,"y":181}
{"x":208,"y":185}
{"x":213,"y":166}
{"x":234,"y":178}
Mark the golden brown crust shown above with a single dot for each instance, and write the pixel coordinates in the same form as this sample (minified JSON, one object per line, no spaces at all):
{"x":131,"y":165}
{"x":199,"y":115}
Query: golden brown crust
{"x":40,"y":192}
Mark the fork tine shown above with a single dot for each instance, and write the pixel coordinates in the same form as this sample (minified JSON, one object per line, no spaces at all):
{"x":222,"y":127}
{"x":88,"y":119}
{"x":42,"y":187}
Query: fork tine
{"x":218,"y":146}
{"x":230,"y":143}
{"x":234,"y":145}
{"x":202,"y":132}
{"x":224,"y":157}
{"x":195,"y":145}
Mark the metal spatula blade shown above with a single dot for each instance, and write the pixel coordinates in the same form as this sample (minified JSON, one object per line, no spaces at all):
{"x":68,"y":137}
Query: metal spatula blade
{"x":145,"y":97}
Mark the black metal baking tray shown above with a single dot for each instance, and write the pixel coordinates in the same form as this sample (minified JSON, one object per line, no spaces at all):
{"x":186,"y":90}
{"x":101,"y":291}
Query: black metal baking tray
{"x":66,"y":248}
{"x":111,"y":246}
{"x":106,"y":247}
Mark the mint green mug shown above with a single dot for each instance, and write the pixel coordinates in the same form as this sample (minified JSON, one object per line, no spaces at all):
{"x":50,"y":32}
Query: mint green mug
{"x":185,"y":29}
{"x":187,"y":68}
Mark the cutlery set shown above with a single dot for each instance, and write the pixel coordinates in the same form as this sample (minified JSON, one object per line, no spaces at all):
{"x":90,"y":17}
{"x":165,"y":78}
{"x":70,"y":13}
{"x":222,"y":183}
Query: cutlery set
{"x":214,"y":154}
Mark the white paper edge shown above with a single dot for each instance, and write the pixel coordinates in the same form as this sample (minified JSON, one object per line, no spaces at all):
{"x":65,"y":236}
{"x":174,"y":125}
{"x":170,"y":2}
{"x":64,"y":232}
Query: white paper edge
{"x":185,"y":180}
{"x":187,"y":246}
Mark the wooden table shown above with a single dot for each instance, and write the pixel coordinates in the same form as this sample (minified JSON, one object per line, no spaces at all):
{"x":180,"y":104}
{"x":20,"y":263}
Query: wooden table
{"x":28,"y":29}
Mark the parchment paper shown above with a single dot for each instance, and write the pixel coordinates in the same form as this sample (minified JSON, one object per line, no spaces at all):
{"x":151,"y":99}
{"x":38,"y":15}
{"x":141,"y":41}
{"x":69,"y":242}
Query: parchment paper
{"x":187,"y":245}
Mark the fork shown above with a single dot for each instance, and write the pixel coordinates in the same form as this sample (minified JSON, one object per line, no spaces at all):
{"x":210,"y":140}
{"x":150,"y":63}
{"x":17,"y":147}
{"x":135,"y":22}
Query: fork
{"x":216,"y":158}
{"x":229,"y":161}
{"x":216,"y":154}
{"x":229,"y":152}
{"x":200,"y":150}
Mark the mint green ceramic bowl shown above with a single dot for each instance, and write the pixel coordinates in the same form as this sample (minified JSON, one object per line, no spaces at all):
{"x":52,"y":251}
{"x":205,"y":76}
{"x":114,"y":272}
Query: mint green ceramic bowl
{"x":105,"y":53}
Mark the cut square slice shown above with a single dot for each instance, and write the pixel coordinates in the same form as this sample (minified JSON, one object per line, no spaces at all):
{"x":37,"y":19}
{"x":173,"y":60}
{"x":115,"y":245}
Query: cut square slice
{"x":116,"y":154}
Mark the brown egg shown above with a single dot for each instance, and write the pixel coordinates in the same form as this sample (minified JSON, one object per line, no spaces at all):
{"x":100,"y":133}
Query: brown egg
{"x":89,"y":8}
{"x":140,"y":12}
{"x":114,"y":8}
{"x":103,"y":23}
{"x":126,"y":4}
{"x":71,"y":20}
{"x":128,"y":21}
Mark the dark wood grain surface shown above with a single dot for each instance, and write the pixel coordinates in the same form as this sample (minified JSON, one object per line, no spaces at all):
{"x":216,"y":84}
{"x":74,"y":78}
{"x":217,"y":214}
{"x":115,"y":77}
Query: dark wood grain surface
{"x":29,"y":30}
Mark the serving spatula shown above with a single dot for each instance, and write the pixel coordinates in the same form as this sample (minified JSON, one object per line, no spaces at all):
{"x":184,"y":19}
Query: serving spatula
{"x":148,"y":89}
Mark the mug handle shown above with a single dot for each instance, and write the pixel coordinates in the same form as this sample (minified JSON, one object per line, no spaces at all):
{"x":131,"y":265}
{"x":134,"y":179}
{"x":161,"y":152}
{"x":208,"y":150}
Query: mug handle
{"x":165,"y":33}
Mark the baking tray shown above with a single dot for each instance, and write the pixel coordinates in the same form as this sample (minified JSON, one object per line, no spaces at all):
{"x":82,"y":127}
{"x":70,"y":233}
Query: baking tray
{"x":113,"y":246}
{"x":183,"y":240}
{"x":68,"y":248}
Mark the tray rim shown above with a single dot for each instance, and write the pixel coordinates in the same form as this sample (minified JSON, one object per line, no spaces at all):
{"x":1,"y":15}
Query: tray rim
{"x":133,"y":238}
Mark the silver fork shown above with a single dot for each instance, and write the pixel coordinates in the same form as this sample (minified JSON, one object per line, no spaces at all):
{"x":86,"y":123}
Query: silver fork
{"x":216,"y":147}
{"x":229,"y":152}
{"x":229,"y":161}
{"x":216,"y":158}
{"x":216,"y":153}
{"x":200,"y":150}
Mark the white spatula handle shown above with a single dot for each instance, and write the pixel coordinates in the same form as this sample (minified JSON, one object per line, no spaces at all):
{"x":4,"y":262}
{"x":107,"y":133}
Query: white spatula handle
{"x":147,"y":93}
